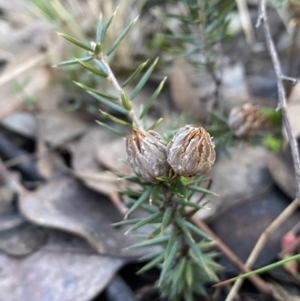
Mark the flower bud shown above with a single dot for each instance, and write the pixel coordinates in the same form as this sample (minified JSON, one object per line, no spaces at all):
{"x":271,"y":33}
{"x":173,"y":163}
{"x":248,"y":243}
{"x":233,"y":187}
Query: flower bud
{"x":147,"y":155}
{"x":245,"y":121}
{"x":191,"y":152}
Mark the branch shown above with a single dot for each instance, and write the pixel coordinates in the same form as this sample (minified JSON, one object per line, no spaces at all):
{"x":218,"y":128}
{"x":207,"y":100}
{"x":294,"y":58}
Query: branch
{"x":283,"y":216}
{"x":260,"y":284}
{"x":117,"y":86}
{"x":262,"y":18}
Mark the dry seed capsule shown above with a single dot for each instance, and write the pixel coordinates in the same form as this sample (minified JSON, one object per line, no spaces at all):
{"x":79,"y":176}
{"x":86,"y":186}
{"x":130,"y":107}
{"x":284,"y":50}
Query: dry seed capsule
{"x":191,"y":152}
{"x":245,"y":121}
{"x":147,"y":155}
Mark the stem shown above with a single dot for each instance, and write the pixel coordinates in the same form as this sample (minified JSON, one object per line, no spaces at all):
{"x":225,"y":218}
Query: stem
{"x":117,"y":86}
{"x":262,"y":18}
{"x":260,"y":284}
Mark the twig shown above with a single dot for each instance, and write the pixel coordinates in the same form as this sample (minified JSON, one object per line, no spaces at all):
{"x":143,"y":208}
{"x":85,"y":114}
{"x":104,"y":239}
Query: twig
{"x":262,"y":18}
{"x":117,"y":86}
{"x":31,"y":62}
{"x":261,"y":285}
{"x":261,"y":242}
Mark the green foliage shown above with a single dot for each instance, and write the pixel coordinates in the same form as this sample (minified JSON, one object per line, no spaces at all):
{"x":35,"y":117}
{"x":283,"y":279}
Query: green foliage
{"x":186,"y":266}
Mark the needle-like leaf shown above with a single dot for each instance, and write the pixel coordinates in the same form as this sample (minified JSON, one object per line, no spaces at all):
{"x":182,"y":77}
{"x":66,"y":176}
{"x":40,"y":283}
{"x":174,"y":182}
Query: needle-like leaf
{"x":121,"y":37}
{"x":75,"y":41}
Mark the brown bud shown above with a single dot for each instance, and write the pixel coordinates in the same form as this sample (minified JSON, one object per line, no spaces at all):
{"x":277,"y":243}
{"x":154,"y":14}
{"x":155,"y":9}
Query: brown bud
{"x":147,"y":155}
{"x":245,"y":121}
{"x":191,"y":152}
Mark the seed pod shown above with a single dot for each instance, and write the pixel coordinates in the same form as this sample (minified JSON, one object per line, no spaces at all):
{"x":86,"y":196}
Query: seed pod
{"x":147,"y":155}
{"x":245,"y":121}
{"x":191,"y":152}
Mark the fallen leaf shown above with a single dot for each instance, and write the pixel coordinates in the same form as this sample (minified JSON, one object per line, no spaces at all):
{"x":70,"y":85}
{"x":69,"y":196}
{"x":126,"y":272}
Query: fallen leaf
{"x":94,"y":147}
{"x":281,"y":168}
{"x":294,"y":97}
{"x":241,"y":225}
{"x":61,"y":270}
{"x":58,"y":128}
{"x":249,"y":175}
{"x":21,"y":240}
{"x":63,"y":203}
{"x":293,"y":111}
{"x":185,"y":96}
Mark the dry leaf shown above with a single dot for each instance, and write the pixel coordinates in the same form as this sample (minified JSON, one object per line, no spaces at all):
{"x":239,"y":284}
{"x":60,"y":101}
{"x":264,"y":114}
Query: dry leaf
{"x":282,"y":171}
{"x":293,"y":111}
{"x":185,"y":96}
{"x":61,"y":270}
{"x":58,"y":128}
{"x":63,"y":203}
{"x":248,"y":175}
{"x":88,"y":152}
{"x":21,"y":240}
{"x":294,"y":97}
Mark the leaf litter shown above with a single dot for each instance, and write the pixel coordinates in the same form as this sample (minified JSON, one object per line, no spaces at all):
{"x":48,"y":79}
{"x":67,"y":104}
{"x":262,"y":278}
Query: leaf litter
{"x":64,"y":225}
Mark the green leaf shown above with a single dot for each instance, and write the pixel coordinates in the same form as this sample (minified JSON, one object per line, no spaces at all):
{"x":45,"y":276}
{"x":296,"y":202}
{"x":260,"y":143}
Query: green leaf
{"x":146,"y":207}
{"x":201,"y":189}
{"x":172,"y":238}
{"x":189,"y":273}
{"x":97,"y":49}
{"x":154,"y":193}
{"x":196,"y":253}
{"x":150,"y":256}
{"x":73,"y":62}
{"x":143,"y":198}
{"x":127,"y":222}
{"x":180,"y":222}
{"x":93,"y":69}
{"x":121,"y":37}
{"x":131,"y":178}
{"x":166,"y":219}
{"x":75,"y":41}
{"x":186,"y":203}
{"x":168,"y":262}
{"x":151,"y":242}
{"x":180,"y":187}
{"x":272,"y":143}
{"x":154,"y":233}
{"x":113,"y":130}
{"x":115,"y":119}
{"x":101,"y":29}
{"x":152,"y":99}
{"x":197,"y":231}
{"x":147,"y":220}
{"x":151,"y":264}
{"x":125,"y":101}
{"x":109,"y":103}
{"x":265,"y":268}
{"x":143,"y":80}
{"x":178,"y":274}
{"x":155,"y":124}
{"x":134,"y":74}
{"x":84,"y":87}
